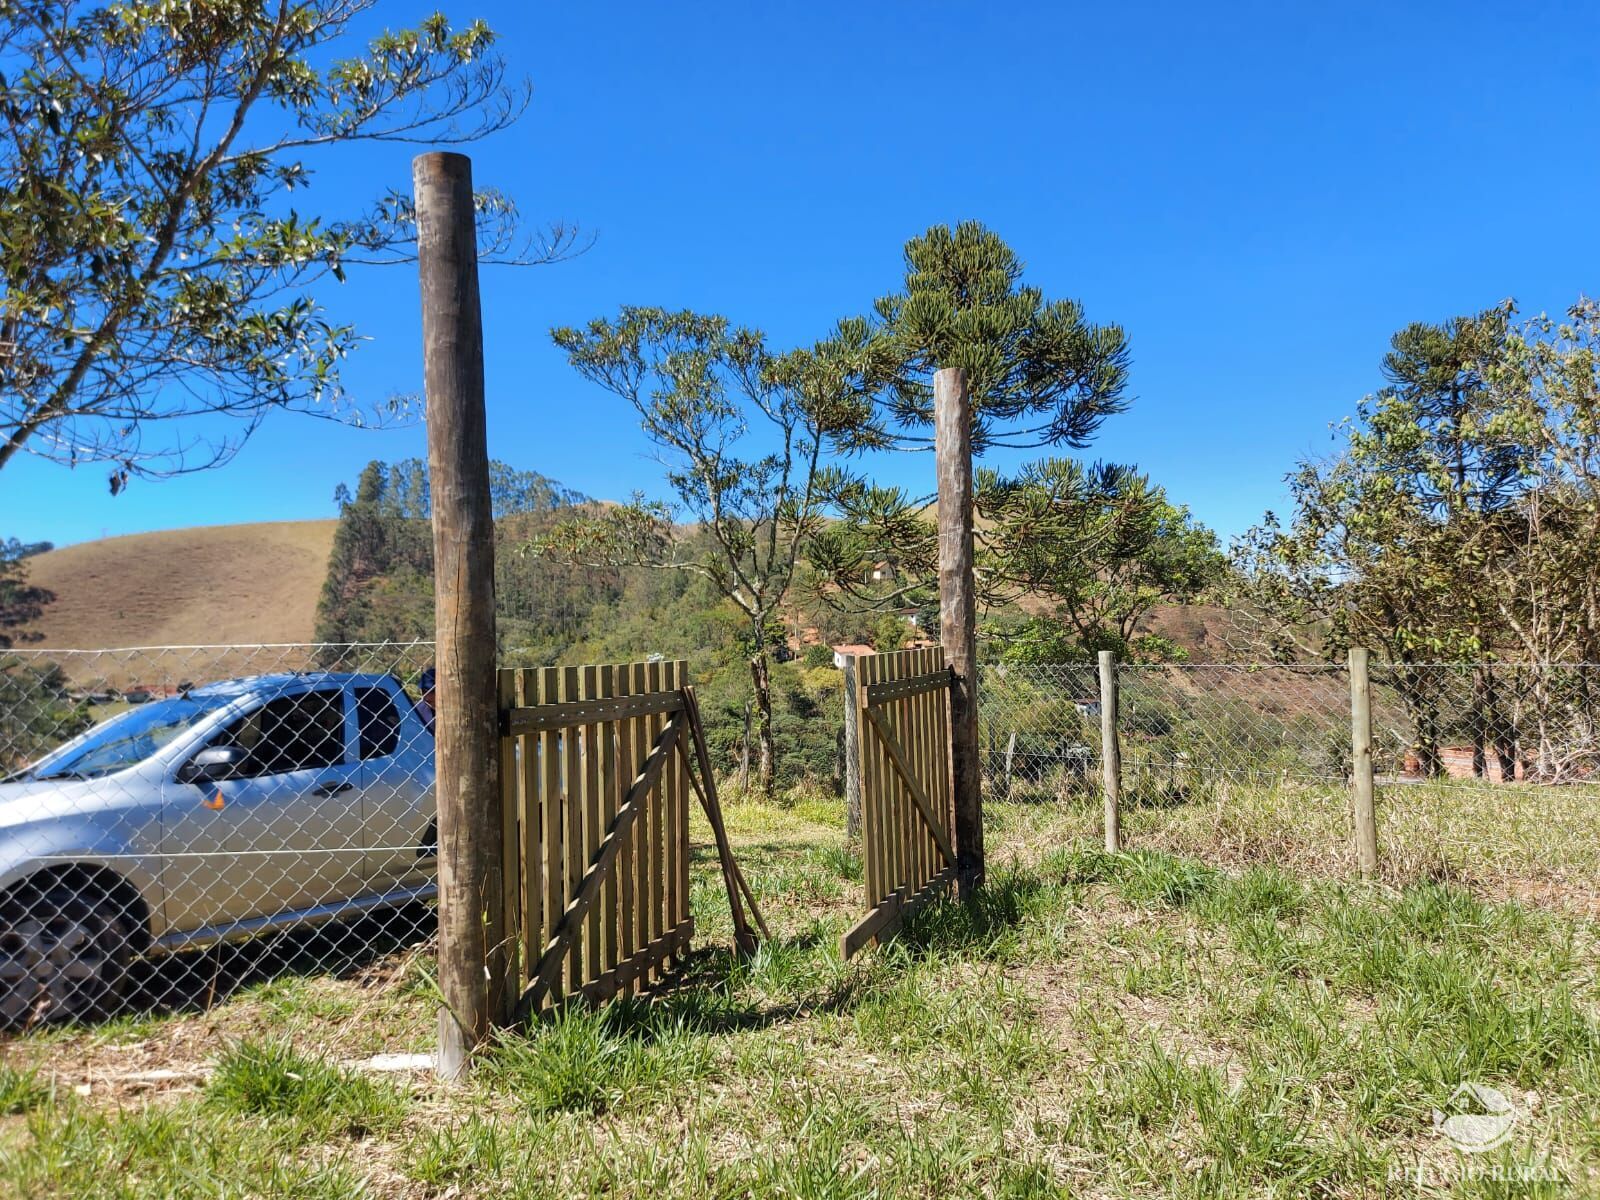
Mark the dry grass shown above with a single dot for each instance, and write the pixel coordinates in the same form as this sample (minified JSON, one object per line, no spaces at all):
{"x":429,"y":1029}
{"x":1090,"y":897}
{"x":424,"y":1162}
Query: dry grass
{"x":202,"y":586}
{"x":1524,"y":842}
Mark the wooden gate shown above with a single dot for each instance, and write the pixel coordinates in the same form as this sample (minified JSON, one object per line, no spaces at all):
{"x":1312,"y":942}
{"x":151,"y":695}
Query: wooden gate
{"x":595,"y":768}
{"x":906,"y":808}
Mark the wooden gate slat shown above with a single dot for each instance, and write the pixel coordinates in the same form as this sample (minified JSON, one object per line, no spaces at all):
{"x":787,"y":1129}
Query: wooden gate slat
{"x":555,"y":885}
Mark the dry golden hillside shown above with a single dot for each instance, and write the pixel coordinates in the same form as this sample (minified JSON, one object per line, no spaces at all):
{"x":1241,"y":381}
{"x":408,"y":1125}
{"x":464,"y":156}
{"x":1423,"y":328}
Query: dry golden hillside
{"x":201,"y":586}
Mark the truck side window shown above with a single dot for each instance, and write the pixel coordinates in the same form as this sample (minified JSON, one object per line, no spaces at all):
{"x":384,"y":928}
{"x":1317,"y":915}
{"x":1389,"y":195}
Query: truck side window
{"x":292,"y":733}
{"x":379,"y":722}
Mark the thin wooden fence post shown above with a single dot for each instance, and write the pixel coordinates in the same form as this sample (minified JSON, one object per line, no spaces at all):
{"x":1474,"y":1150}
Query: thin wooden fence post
{"x":475,"y":960}
{"x":851,"y":751}
{"x":958,"y":614}
{"x":1361,"y":780}
{"x":1110,"y":750}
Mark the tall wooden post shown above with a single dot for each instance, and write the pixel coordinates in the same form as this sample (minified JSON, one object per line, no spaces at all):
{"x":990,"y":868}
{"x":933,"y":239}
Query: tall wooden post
{"x":1361,"y":781}
{"x":851,"y":751}
{"x":474,"y":953}
{"x":1110,"y":750}
{"x":958,"y":613}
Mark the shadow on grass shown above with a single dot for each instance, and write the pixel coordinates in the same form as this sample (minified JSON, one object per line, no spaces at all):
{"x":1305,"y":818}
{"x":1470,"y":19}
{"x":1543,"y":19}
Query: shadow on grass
{"x":198,"y":980}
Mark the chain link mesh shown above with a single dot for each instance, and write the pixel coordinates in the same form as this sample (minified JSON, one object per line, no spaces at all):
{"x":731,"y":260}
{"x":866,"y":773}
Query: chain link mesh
{"x":163,"y":809}
{"x":1486,"y":774}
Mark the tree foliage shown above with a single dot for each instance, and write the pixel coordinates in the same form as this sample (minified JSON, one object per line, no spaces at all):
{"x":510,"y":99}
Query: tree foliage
{"x":159,"y":271}
{"x":21,"y":603}
{"x":1459,"y":522}
{"x":380,"y":572}
{"x":1041,"y":374}
{"x":742,"y":435}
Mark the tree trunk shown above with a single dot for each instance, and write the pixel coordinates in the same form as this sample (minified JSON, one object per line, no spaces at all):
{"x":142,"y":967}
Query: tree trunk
{"x":744,"y":753}
{"x":761,"y":672}
{"x":1424,"y":712}
{"x":1501,"y":735}
{"x":1482,"y":692}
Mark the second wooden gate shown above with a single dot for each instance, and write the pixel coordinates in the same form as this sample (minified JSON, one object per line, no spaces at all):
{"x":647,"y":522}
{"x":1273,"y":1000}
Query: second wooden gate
{"x":907,"y":814}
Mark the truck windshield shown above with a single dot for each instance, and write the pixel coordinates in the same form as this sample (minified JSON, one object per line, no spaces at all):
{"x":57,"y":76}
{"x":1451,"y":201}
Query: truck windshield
{"x":127,"y":738}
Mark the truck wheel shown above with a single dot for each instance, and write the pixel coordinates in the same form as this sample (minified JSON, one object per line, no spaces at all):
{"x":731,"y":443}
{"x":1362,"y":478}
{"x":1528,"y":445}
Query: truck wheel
{"x":63,"y":956}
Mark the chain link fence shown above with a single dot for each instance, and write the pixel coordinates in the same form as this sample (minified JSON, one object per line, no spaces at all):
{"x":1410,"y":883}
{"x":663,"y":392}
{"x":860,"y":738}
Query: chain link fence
{"x":1487,"y":774}
{"x":162,"y":808}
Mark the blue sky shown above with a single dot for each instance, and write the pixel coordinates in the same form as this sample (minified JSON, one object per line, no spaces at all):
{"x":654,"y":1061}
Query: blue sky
{"x":1259,"y":193}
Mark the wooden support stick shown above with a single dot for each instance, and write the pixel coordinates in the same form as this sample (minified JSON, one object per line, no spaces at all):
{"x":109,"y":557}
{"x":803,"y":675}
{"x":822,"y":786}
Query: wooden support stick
{"x":851,"y":752}
{"x":1361,"y":780}
{"x":1110,"y":750}
{"x":474,"y":959}
{"x":958,"y":613}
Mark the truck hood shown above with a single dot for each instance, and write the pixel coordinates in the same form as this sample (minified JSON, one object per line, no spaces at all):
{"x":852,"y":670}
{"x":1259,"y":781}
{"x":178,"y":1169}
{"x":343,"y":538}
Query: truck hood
{"x":33,"y":800}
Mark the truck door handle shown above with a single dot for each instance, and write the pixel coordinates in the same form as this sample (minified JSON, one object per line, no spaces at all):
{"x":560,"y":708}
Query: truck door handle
{"x":331,"y":789}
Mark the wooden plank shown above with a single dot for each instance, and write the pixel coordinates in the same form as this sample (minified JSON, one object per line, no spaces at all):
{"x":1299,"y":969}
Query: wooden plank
{"x":685,"y":882}
{"x":941,"y":724}
{"x":912,"y":685}
{"x":553,"y":831}
{"x":914,"y":790}
{"x":510,"y":815}
{"x":547,"y":976}
{"x":927,"y":846}
{"x":670,"y":799}
{"x":611,"y":786}
{"x":627,"y":768}
{"x":644,"y":735}
{"x":654,"y":862}
{"x":651,"y":959}
{"x":572,"y":815}
{"x":564,"y":713}
{"x":531,"y":854}
{"x":593,"y":958}
{"x":884,"y":921}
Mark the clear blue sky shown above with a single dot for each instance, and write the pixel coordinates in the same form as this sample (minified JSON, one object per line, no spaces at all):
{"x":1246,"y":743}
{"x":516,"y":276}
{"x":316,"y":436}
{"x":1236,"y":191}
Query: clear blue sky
{"x":1260,"y":193}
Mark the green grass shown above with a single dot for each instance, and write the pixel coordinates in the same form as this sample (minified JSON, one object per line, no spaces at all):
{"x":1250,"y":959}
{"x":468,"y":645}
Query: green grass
{"x":275,"y":1081}
{"x":21,"y":1091}
{"x":1145,"y":1024}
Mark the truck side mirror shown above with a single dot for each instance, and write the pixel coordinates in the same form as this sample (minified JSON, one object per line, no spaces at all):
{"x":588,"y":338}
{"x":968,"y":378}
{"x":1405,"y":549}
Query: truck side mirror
{"x":212,"y":765}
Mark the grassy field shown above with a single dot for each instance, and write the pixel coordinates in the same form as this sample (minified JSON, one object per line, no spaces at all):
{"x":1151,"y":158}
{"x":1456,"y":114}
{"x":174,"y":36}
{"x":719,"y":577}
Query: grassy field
{"x":1146,"y":1024}
{"x":202,"y":586}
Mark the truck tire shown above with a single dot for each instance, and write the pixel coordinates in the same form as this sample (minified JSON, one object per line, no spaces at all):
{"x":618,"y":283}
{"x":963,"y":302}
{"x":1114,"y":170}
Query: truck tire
{"x":64,"y":953}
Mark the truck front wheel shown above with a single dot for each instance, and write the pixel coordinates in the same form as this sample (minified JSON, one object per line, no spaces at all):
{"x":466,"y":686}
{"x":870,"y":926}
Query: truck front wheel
{"x":64,"y":955}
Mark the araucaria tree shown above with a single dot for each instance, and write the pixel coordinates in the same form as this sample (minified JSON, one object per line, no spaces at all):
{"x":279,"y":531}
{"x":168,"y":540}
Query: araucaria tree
{"x":157,"y":267}
{"x":1040,"y":373}
{"x":742,"y":434}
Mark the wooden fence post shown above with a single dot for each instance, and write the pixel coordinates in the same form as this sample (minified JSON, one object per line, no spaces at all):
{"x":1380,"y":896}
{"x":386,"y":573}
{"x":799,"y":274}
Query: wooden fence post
{"x":1361,"y":762}
{"x":474,"y":957}
{"x":1110,"y":751}
{"x":851,"y":750}
{"x":958,"y":614}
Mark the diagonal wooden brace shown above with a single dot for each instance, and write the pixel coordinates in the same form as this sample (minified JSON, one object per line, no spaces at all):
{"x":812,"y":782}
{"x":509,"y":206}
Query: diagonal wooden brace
{"x":918,"y":795}
{"x":548,"y":972}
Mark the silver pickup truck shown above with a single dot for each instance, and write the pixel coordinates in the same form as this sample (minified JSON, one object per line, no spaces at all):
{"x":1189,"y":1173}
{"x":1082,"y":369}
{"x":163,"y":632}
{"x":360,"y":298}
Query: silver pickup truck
{"x":233,"y":809}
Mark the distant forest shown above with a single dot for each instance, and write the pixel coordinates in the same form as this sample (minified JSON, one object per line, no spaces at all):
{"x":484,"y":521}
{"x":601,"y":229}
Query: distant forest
{"x":380,"y":588}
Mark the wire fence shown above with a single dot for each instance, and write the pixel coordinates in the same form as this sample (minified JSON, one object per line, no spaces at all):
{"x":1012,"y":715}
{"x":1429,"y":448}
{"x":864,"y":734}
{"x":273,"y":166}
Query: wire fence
{"x":193,"y":797}
{"x":1487,"y":773}
{"x":161,"y":808}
